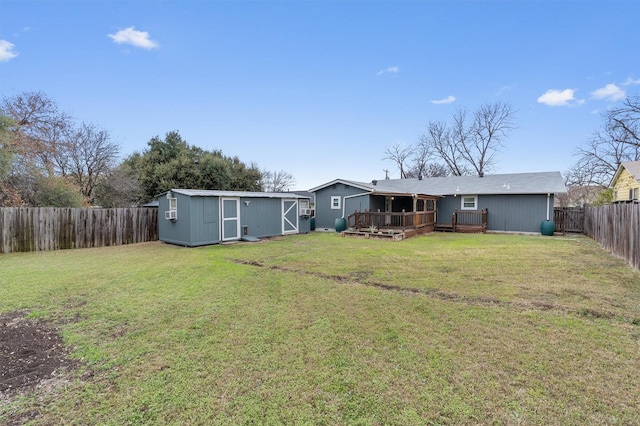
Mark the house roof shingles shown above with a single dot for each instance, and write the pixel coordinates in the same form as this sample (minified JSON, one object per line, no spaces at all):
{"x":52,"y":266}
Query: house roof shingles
{"x":515,"y":183}
{"x":633,"y":167}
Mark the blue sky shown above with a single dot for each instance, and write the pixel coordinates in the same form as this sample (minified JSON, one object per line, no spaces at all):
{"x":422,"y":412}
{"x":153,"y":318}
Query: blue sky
{"x":321,"y":88}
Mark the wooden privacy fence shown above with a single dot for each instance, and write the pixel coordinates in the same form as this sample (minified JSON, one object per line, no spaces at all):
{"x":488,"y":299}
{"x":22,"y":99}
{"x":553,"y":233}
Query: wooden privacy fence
{"x":616,"y":228}
{"x":25,"y":229}
{"x":568,"y":219}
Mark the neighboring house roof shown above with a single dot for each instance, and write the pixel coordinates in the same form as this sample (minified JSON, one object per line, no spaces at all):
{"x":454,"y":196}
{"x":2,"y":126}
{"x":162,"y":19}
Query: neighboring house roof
{"x":633,"y":167}
{"x":216,"y":193}
{"x":515,"y":183}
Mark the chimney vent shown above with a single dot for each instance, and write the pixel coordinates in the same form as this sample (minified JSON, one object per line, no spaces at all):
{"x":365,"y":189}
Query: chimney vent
{"x":375,"y":182}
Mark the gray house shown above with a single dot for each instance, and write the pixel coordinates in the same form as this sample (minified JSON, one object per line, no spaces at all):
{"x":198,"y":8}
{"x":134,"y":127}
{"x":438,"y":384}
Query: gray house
{"x":517,"y":202}
{"x":190,"y":217}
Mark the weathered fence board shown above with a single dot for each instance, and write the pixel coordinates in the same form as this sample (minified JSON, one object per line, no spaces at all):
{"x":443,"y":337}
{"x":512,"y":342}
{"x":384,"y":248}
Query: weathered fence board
{"x":25,"y":229}
{"x":568,"y":219}
{"x":616,"y":228}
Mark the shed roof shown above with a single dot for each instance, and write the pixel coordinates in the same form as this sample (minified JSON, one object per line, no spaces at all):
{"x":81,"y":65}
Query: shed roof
{"x":245,"y":194}
{"x":514,"y":183}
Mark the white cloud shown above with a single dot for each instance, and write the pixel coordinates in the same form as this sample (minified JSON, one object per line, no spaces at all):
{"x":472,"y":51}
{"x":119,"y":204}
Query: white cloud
{"x":447,"y":100}
{"x":390,"y":70}
{"x":135,"y":38}
{"x":559,"y":98}
{"x":630,"y":82}
{"x":610,"y":92}
{"x":6,"y":51}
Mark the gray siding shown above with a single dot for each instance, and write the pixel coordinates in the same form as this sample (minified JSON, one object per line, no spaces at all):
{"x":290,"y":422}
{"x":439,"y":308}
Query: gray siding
{"x":262,"y":217}
{"x":175,"y":232}
{"x":204,"y":220}
{"x":325,"y":215}
{"x":517,"y":213}
{"x":199,"y":219}
{"x":357,"y":204}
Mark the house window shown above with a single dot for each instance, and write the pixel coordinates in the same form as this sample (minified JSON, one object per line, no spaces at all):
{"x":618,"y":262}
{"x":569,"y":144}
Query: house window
{"x":335,"y":203}
{"x":635,"y":193}
{"x":173,"y":204}
{"x":469,"y":202}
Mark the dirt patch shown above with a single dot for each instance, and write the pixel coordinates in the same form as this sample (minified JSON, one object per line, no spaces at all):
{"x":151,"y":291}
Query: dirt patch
{"x":32,"y":356}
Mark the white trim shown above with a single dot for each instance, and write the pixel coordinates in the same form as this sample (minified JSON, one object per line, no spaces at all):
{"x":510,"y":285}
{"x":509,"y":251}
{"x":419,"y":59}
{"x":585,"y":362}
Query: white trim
{"x":475,"y":202}
{"x":173,"y":204}
{"x":227,"y":219}
{"x":339,"y":205}
{"x":359,"y":185}
{"x":285,"y":221}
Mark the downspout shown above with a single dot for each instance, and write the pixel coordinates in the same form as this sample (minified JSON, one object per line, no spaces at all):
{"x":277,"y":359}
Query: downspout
{"x":548,"y":200}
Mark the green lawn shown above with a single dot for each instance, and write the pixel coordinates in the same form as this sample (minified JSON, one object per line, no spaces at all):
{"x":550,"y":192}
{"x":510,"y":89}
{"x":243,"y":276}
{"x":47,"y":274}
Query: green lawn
{"x":319,"y":329}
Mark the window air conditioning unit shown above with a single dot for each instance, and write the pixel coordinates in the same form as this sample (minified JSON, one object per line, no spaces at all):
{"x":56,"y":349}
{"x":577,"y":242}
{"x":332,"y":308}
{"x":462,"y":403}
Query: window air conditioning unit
{"x":171,"y":214}
{"x":306,"y":212}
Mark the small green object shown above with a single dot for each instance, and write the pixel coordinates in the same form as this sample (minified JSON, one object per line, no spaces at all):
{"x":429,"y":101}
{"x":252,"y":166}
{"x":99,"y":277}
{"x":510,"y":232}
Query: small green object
{"x":547,"y":228}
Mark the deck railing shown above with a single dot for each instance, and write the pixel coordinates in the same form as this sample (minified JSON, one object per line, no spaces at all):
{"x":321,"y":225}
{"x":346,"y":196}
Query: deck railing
{"x":469,"y":221}
{"x":391,"y":220}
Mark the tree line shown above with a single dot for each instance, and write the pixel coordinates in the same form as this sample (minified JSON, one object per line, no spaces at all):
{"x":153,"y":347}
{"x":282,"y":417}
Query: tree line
{"x":466,"y":145}
{"x":48,"y":158}
{"x":469,"y":142}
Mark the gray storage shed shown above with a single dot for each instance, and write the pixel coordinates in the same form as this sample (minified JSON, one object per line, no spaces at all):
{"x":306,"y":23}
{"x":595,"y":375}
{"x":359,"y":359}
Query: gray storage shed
{"x":193,"y":217}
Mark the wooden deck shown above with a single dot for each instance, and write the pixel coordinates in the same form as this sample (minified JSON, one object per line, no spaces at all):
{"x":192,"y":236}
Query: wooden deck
{"x":465,"y":221}
{"x":394,"y":226}
{"x":397,"y":226}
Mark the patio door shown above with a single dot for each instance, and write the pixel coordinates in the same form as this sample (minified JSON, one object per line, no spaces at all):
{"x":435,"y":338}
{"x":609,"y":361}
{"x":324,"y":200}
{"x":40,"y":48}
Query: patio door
{"x":230,"y":219}
{"x":290,"y":216}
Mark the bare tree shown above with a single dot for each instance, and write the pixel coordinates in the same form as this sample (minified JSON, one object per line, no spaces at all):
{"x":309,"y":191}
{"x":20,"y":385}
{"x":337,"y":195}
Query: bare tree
{"x":625,"y":119}
{"x":442,"y":140}
{"x":119,"y":188}
{"x":277,"y":181}
{"x":436,"y":170}
{"x":491,"y":124}
{"x":466,"y":145}
{"x":90,"y":154}
{"x":616,"y":142}
{"x":40,"y":129}
{"x":399,"y":155}
{"x":46,"y":143}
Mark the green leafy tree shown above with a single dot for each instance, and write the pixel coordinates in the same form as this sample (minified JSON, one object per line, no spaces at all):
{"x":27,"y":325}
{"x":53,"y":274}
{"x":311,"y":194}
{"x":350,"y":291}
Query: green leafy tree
{"x":172,"y":163}
{"x":604,"y":197}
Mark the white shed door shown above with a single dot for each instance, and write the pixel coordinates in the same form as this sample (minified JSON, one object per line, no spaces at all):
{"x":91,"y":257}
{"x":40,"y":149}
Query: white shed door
{"x":289,"y":216}
{"x":230,"y":219}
